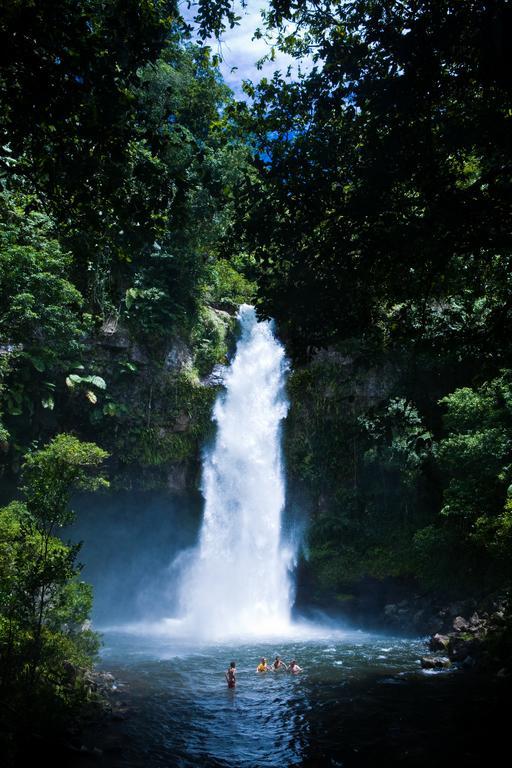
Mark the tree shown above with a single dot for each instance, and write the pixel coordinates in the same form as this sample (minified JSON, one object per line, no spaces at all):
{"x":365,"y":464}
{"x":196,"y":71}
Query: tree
{"x":386,"y":167}
{"x":44,"y":606}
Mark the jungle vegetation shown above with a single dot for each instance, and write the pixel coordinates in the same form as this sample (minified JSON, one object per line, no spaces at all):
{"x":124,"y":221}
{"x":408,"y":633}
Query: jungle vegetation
{"x":363,"y":203}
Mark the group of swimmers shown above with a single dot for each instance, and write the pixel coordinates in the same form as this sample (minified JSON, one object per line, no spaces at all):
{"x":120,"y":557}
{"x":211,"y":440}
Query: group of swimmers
{"x":277,"y":664}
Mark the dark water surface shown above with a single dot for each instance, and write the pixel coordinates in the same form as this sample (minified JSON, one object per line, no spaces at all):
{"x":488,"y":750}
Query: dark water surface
{"x":362,"y":700}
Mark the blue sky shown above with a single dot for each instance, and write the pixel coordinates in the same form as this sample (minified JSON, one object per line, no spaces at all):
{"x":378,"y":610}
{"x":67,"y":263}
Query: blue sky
{"x":239,"y":50}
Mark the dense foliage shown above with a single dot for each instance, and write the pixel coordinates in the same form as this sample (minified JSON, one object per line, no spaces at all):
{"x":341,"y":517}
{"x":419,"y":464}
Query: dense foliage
{"x":119,"y":166}
{"x":46,"y":642}
{"x":387,"y":172}
{"x":118,"y":180}
{"x":364,"y":203}
{"x":381,"y":227}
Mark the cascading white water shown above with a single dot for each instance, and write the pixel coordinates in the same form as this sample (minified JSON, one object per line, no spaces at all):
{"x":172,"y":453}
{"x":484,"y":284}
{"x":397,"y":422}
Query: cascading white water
{"x":239,"y":580}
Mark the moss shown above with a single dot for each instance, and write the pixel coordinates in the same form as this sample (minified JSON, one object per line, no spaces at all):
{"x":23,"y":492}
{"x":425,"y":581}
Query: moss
{"x":179,"y":422}
{"x":151,"y":448}
{"x":210,"y":339}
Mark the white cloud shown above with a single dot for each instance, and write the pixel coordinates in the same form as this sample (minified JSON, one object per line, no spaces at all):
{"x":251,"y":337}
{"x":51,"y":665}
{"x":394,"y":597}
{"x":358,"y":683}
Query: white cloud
{"x":239,"y":50}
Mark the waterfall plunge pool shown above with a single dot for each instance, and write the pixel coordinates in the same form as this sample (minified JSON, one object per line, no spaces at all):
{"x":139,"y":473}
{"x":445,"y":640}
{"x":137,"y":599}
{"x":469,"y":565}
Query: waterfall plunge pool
{"x":362,"y":700}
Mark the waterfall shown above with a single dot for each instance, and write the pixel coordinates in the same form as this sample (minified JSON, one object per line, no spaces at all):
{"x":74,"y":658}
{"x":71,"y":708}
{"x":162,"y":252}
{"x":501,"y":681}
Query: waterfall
{"x":238,"y":582}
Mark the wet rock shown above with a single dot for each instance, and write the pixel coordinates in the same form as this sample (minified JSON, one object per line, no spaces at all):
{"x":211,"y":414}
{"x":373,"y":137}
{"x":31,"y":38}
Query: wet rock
{"x":460,"y":624}
{"x":217,"y":377}
{"x":439,"y":642}
{"x":332,"y":356}
{"x":178,"y":357}
{"x":182,"y":422}
{"x":390,"y":610}
{"x":461,"y":647}
{"x":435,"y":662}
{"x":114,"y":336}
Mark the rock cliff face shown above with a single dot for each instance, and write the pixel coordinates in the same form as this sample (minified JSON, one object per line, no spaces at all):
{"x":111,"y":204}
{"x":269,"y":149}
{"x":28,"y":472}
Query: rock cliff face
{"x":153,"y":410}
{"x":328,"y":440}
{"x":160,"y":405}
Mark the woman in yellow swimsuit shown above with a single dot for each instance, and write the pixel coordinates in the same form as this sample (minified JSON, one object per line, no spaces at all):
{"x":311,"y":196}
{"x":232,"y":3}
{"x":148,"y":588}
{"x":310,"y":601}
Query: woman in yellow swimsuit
{"x":263,"y":666}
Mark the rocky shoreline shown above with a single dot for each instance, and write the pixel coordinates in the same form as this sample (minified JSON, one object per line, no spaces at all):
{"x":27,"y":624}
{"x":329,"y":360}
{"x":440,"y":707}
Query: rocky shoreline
{"x":472,"y":634}
{"x":97,"y":736}
{"x":92,"y":736}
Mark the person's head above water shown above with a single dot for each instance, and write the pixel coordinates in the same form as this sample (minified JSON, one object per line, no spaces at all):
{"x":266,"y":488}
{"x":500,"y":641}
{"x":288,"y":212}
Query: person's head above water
{"x":233,"y":664}
{"x":277,"y":658}
{"x":262,"y":661}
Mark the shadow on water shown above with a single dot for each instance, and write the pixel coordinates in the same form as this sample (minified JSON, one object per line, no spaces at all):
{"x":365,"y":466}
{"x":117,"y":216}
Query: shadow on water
{"x":362,"y":700}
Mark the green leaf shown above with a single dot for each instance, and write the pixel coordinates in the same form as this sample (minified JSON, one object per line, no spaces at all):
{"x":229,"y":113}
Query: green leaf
{"x":73,"y":379}
{"x":130,"y":296}
{"x":96,"y":381}
{"x":38,"y":363}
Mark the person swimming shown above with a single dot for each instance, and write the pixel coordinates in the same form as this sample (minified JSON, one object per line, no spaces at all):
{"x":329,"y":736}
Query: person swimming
{"x":278,"y":664}
{"x":294,"y":667}
{"x":263,"y":666}
{"x":230,"y":675}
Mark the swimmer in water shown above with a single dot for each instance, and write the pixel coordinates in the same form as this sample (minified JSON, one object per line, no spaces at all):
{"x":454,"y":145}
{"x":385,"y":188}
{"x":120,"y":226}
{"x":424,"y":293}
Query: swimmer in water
{"x":294,"y":667}
{"x":278,"y":664}
{"x":230,"y":675}
{"x":263,"y":666}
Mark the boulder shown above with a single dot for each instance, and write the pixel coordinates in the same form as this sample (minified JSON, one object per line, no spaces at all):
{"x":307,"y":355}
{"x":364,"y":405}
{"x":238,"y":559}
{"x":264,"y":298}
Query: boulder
{"x":439,"y":642}
{"x":178,"y":357}
{"x":113,"y":336}
{"x":435,"y":662}
{"x":498,"y":618}
{"x":460,"y":648}
{"x":460,"y":624}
